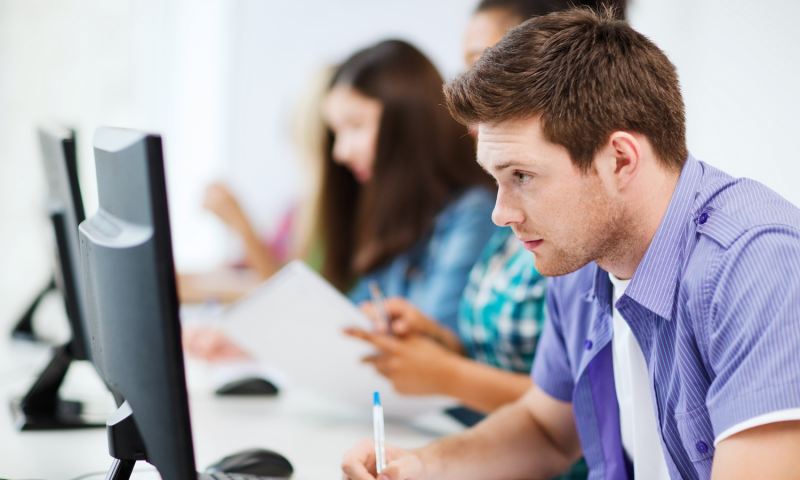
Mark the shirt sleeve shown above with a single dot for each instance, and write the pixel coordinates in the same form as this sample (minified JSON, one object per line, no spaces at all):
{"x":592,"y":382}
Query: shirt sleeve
{"x":551,"y":371}
{"x":754,"y":332}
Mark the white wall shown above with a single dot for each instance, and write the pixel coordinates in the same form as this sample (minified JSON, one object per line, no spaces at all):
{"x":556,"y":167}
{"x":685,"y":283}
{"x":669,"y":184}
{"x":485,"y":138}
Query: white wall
{"x":154,"y":65}
{"x":739,"y":67}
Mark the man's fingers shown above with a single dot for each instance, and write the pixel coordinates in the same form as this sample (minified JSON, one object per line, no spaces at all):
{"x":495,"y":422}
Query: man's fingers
{"x":401,"y":469}
{"x":359,"y":462}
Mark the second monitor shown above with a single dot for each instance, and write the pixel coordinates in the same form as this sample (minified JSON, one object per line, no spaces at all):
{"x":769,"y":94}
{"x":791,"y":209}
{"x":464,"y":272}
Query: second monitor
{"x":132,"y":307}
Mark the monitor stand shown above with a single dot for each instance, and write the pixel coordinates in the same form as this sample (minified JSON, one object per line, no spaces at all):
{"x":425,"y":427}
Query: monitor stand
{"x":23,"y":329}
{"x":125,"y":443}
{"x":42,"y":408}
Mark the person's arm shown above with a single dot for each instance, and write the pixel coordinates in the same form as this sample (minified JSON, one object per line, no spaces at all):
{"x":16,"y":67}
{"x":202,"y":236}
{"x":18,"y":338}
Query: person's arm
{"x":483,"y":387}
{"x":221,"y":202}
{"x":534,"y":437}
{"x":260,"y":258}
{"x":769,"y":451}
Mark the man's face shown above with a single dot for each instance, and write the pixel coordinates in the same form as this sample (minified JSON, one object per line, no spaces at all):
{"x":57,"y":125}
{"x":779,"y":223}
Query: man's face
{"x":565,"y":217}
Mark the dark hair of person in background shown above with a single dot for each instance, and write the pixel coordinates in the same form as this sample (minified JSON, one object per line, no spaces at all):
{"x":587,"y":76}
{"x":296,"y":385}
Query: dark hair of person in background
{"x":596,"y":75}
{"x":423,"y":159}
{"x":525,"y":9}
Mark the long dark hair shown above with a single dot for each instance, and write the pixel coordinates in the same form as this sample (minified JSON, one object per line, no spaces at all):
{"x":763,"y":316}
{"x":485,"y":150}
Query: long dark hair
{"x":423,"y":160}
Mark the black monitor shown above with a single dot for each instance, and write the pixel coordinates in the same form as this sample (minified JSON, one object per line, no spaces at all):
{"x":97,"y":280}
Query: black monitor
{"x":129,"y":280}
{"x":41,"y":407}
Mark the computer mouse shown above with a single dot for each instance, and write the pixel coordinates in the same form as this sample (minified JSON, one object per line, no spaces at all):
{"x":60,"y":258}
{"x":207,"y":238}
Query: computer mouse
{"x":255,"y":461}
{"x":247,"y":386}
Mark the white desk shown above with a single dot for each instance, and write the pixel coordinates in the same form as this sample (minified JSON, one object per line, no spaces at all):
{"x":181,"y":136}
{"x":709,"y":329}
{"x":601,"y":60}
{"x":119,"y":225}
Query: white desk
{"x":310,"y":433}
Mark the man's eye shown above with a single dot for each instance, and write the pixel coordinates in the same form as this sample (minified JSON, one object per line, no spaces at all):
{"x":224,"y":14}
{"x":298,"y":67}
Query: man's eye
{"x":521,"y":177}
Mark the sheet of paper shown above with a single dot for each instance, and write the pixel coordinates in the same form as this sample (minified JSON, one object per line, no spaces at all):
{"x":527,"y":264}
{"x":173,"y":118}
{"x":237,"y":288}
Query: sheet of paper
{"x":293,"y":324}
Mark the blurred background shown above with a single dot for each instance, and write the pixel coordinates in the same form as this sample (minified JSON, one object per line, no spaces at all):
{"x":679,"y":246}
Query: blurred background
{"x":220,"y":79}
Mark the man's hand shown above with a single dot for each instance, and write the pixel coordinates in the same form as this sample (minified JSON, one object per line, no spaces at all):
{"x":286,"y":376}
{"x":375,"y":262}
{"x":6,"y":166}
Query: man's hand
{"x":415,"y":365}
{"x":359,"y":464}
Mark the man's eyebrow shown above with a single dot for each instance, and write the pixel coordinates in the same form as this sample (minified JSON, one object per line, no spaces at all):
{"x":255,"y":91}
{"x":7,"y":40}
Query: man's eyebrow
{"x":499,"y":167}
{"x":508,"y":164}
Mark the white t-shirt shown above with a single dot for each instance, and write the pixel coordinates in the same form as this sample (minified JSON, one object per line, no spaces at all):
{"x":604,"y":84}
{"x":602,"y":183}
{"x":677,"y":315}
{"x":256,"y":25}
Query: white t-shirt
{"x":637,"y":416}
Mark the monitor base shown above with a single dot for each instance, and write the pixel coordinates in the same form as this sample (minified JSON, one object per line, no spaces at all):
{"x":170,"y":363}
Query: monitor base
{"x":23,"y":329}
{"x":67,"y":415}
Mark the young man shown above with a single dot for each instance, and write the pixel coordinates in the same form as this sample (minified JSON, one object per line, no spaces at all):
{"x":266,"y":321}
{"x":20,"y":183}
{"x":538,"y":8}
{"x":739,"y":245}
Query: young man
{"x":671,"y":347}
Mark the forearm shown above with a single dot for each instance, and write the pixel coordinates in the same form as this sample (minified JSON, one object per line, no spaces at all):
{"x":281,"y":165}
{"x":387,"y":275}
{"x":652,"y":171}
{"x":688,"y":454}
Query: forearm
{"x":509,"y":444}
{"x":258,"y":256}
{"x":483,"y":387}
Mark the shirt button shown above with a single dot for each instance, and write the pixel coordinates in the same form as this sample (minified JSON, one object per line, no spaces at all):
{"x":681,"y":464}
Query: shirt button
{"x":703,"y":218}
{"x":587,"y":344}
{"x":701,"y":446}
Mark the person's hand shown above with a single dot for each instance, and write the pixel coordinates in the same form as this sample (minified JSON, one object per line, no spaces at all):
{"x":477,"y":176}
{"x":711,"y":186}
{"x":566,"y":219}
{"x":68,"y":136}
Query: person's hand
{"x":415,"y":365}
{"x":359,"y":464}
{"x":405,"y":320}
{"x":220,"y":201}
{"x":212,"y":345}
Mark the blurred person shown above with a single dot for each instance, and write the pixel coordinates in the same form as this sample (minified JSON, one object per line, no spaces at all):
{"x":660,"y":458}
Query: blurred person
{"x":669,"y":348}
{"x":295,"y":235}
{"x":402,"y":204}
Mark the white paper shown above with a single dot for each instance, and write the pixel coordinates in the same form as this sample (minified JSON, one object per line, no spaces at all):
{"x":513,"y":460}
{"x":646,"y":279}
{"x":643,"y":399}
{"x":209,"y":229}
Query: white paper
{"x":293,"y":324}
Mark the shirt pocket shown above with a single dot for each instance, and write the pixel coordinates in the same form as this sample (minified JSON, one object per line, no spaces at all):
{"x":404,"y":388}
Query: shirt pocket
{"x":697,"y":435}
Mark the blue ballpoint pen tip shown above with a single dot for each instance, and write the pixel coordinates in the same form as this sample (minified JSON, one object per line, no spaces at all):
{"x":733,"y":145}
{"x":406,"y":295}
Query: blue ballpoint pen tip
{"x":376,"y":399}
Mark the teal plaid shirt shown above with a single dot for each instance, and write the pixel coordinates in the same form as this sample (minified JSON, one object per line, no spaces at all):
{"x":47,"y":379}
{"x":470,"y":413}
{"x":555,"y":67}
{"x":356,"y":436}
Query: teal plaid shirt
{"x":503,"y":308}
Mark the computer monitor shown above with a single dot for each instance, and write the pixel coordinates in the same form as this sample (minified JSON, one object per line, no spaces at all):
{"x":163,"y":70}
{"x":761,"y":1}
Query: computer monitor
{"x":41,"y":408}
{"x":129,"y":280}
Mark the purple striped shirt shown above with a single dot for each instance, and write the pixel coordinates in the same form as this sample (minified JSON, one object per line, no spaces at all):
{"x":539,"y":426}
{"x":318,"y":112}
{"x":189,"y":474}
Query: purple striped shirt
{"x":714,"y":305}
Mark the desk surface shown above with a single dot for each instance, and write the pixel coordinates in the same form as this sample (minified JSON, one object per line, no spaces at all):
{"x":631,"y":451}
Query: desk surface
{"x":312,"y":434}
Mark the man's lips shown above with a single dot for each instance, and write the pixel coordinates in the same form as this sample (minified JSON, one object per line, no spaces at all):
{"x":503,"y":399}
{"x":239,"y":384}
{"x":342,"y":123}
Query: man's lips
{"x":532,"y":244}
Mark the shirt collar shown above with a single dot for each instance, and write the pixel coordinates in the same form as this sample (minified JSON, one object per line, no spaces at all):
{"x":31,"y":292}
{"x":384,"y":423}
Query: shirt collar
{"x":654,"y":284}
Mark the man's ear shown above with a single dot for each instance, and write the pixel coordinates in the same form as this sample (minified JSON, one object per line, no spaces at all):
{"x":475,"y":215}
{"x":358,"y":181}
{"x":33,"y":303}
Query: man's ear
{"x":619,"y":160}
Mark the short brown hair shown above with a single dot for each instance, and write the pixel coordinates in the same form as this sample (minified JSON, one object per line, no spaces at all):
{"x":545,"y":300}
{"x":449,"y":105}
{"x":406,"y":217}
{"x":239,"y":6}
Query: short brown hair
{"x":586,"y":74}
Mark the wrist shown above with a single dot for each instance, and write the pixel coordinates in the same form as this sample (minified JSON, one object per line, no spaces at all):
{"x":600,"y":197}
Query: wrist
{"x":430,"y":462}
{"x":446,"y":338}
{"x":451,"y":368}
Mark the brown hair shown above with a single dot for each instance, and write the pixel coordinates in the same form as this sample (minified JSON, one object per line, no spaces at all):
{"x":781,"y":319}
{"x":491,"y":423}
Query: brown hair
{"x":525,"y":9}
{"x":586,"y":74}
{"x":422,"y":161}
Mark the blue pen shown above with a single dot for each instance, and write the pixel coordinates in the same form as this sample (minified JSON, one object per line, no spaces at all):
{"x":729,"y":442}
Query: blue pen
{"x":377,"y":429}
